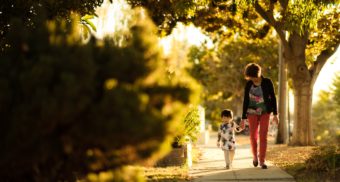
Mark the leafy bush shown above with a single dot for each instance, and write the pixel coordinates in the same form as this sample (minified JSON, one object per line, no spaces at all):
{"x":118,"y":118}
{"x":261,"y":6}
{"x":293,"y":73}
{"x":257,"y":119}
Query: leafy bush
{"x":68,"y":109}
{"x":126,"y":173}
{"x":325,"y":158}
{"x":191,"y":127}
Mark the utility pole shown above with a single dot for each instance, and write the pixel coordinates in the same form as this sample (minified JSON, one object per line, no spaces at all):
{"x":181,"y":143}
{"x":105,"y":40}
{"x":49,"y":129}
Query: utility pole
{"x":282,"y":134}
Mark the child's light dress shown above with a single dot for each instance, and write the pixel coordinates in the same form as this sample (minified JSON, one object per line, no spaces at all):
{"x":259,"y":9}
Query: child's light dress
{"x":226,"y":133}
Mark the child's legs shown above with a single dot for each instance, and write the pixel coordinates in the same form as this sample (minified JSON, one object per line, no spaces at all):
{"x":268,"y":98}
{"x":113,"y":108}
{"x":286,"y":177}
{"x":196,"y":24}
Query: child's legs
{"x":264,"y":122}
{"x":226,"y":157}
{"x":253,"y":129}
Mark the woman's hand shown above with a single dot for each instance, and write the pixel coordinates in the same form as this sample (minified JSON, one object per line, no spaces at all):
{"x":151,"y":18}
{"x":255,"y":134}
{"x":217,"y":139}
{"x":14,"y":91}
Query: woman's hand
{"x":243,"y":124}
{"x":276,"y":120}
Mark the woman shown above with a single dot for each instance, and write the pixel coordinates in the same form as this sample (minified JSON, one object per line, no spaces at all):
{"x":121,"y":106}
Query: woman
{"x":259,"y":101}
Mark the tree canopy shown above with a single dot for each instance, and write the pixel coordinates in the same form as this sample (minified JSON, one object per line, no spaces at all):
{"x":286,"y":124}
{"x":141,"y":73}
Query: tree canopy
{"x":27,"y":10}
{"x":308,"y":30}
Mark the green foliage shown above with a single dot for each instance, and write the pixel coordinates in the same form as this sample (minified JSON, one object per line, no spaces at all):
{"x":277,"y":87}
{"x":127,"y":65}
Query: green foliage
{"x":336,"y":92}
{"x":167,"y":174}
{"x":226,"y":19}
{"x":302,"y":15}
{"x":68,"y":108}
{"x":167,"y":13}
{"x":296,"y":16}
{"x":315,"y":19}
{"x":185,"y":8}
{"x":220,"y":71}
{"x":191,"y":126}
{"x":326,"y":158}
{"x":326,"y":115}
{"x":325,"y":34}
{"x":126,"y":173}
{"x":27,"y":10}
{"x":310,"y":164}
{"x":311,"y":26}
{"x":87,"y":25}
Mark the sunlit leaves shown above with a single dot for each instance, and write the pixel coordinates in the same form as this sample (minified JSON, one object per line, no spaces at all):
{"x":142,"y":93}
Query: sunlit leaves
{"x":86,"y":20}
{"x":27,"y":10}
{"x":336,"y":90}
{"x":302,"y":15}
{"x":187,"y":9}
{"x":326,"y":34}
{"x":166,"y":13}
{"x":318,"y":21}
{"x":326,"y":114}
{"x":191,"y":126}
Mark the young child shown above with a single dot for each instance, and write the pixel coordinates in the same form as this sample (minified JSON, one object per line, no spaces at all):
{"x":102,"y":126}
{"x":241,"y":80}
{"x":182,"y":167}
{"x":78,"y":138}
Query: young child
{"x":226,"y":135}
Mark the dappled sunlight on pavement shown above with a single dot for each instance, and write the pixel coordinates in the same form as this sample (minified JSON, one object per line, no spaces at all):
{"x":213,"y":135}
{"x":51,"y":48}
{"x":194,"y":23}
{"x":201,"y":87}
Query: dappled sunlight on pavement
{"x":211,"y":166}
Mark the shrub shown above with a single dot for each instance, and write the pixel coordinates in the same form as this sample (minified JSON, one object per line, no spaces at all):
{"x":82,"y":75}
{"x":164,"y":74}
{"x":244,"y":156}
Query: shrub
{"x":191,"y":127}
{"x":325,"y":158}
{"x":192,"y":124}
{"x":68,"y":109}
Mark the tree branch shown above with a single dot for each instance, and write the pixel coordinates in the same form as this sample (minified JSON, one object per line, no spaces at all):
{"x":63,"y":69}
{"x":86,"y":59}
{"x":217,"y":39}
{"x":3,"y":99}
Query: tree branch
{"x":268,"y":16}
{"x":263,"y":13}
{"x":271,"y":6}
{"x":284,"y":4}
{"x":321,"y":60}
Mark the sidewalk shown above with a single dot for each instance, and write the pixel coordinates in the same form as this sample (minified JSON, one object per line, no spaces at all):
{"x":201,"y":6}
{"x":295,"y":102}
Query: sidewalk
{"x":210,"y":168}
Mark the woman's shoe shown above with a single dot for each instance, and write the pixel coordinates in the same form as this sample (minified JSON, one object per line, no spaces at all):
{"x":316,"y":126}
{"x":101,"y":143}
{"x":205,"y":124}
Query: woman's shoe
{"x":263,"y":166}
{"x":255,"y":163}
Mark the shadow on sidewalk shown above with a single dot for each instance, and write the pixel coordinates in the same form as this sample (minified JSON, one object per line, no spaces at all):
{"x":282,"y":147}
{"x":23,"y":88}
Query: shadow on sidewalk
{"x":211,"y":165}
{"x":242,"y":174}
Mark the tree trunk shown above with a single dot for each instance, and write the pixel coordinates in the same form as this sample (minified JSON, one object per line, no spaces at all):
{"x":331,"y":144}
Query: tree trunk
{"x":302,"y":79}
{"x":282,"y":133}
{"x":302,"y":129}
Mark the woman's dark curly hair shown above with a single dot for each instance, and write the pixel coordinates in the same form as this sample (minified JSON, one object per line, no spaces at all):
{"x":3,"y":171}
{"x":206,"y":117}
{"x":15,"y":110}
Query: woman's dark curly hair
{"x":252,"y":70}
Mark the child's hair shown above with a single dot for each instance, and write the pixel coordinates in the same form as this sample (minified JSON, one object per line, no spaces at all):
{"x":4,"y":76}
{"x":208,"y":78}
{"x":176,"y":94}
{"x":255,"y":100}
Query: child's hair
{"x":227,"y":113}
{"x":252,"y":70}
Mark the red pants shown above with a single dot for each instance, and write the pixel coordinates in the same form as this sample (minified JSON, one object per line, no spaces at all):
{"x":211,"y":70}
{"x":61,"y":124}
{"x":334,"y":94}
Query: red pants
{"x":254,"y":122}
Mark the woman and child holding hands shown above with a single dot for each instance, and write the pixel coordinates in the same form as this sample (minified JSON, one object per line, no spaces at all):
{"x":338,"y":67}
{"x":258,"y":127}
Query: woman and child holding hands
{"x":258,"y":103}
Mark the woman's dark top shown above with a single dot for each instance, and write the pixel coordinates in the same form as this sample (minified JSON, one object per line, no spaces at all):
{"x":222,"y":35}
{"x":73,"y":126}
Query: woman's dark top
{"x":268,"y":96}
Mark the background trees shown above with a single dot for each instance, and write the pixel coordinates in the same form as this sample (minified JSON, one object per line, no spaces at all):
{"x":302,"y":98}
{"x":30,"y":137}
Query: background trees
{"x":326,"y":115}
{"x":167,"y":13}
{"x":220,"y":71}
{"x":304,"y":52}
{"x":307,"y":29}
{"x":69,"y":108}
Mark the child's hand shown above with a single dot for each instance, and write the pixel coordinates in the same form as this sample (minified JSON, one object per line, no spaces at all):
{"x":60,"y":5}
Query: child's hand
{"x":239,"y":129}
{"x":218,"y":144}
